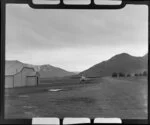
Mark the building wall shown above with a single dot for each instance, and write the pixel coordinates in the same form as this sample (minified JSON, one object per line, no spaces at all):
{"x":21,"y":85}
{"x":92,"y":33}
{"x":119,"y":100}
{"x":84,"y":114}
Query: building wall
{"x":18,"y":80}
{"x":31,"y":81}
{"x":25,"y":72}
{"x":9,"y":81}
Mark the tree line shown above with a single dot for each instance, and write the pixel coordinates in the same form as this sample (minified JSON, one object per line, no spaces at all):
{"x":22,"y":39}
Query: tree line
{"x":121,"y":74}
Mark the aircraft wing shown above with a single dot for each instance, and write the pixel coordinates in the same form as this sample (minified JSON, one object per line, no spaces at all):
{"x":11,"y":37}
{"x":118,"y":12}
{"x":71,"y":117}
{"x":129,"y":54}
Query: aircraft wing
{"x":90,"y":77}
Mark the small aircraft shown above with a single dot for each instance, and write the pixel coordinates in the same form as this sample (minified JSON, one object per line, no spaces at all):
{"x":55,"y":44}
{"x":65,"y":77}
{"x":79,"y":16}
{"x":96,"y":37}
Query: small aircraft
{"x":83,"y":78}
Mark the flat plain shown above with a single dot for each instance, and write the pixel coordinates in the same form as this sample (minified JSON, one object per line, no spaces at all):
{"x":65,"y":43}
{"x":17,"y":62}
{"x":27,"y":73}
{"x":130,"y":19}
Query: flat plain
{"x":125,"y":98}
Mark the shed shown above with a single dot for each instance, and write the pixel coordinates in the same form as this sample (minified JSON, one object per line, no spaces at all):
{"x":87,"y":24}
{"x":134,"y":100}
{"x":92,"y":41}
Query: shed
{"x":18,"y":74}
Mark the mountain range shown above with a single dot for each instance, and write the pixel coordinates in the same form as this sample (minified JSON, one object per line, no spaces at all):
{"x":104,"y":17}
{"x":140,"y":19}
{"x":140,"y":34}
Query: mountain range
{"x":47,"y":71}
{"x":119,"y":63}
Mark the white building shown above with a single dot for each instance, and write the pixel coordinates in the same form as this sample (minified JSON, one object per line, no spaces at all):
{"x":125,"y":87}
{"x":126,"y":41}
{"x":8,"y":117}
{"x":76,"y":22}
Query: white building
{"x":18,"y":74}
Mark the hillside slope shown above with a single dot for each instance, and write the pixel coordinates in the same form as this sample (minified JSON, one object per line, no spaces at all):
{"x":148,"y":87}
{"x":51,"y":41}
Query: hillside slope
{"x":119,"y":63}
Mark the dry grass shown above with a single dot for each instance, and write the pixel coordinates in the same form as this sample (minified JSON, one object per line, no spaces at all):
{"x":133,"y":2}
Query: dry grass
{"x":103,"y":97}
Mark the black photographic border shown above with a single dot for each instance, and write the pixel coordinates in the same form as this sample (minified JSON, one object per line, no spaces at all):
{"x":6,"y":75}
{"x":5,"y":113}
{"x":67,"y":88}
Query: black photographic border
{"x":61,"y":5}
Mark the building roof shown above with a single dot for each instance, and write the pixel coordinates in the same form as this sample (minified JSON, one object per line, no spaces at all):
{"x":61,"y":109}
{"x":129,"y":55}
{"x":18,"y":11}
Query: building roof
{"x":13,"y":67}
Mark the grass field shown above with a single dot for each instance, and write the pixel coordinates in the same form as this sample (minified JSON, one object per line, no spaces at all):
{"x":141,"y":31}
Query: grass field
{"x":102,"y":97}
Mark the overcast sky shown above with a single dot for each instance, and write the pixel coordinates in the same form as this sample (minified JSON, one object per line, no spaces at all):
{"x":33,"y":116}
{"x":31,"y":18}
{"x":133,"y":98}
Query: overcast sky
{"x":74,"y":39}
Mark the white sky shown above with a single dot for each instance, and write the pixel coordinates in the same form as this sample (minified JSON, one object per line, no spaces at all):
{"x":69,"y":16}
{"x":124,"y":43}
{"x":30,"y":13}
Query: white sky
{"x":74,"y":39}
